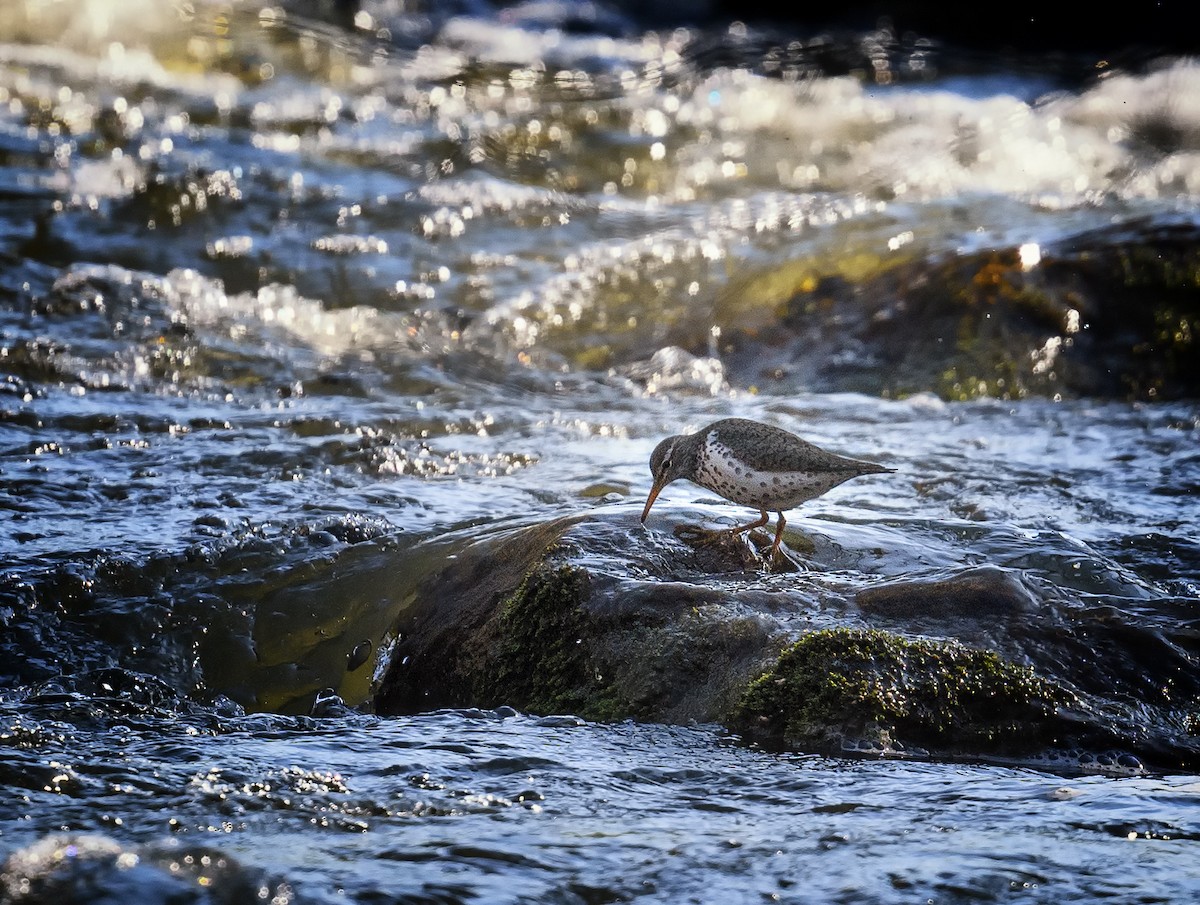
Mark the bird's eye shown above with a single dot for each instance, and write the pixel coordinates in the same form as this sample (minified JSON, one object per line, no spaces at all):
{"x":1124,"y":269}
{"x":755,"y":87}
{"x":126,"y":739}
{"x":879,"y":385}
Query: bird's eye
{"x":666,"y":464}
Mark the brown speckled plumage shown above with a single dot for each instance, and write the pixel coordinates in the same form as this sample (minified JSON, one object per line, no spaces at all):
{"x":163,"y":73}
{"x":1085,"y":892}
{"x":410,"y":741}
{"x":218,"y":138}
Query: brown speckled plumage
{"x":753,"y":464}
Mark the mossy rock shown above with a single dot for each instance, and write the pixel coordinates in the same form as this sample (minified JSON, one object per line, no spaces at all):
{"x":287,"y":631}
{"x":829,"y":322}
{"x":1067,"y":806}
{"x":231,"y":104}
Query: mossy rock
{"x":535,"y":652}
{"x":554,"y":646}
{"x":515,"y":620}
{"x":834,"y":685}
{"x":1113,"y":313}
{"x":596,"y":616}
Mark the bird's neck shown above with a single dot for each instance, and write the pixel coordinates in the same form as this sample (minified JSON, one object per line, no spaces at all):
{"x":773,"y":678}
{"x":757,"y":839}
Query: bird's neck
{"x":687,"y":453}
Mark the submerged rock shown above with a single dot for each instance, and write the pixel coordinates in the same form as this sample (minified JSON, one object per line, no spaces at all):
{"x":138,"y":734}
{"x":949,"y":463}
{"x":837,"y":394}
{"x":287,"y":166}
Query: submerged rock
{"x":266,"y":616}
{"x":594,"y":616}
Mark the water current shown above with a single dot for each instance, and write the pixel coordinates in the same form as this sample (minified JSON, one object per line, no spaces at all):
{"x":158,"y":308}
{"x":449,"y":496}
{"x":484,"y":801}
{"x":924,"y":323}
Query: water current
{"x":294,"y":306}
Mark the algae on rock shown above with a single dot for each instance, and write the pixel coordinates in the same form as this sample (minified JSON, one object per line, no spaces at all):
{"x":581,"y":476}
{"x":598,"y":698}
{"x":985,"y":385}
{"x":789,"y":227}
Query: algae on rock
{"x":534,"y":652}
{"x":834,"y":685}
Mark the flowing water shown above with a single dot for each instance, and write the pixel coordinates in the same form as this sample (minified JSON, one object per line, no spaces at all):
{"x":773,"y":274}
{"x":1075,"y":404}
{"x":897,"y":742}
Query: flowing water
{"x":291,"y":309}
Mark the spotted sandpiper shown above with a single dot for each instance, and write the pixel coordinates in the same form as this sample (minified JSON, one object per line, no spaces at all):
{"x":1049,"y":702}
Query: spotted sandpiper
{"x":753,"y":464}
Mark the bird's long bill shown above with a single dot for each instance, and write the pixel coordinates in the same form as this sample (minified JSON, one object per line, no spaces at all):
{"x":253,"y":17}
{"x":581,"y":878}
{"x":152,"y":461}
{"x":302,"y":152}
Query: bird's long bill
{"x":654,"y":492}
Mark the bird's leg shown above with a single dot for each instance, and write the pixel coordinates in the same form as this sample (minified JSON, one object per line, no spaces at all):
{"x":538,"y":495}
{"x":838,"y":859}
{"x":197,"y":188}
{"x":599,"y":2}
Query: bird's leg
{"x":778,"y":534}
{"x":779,"y":561}
{"x":696,"y":534}
{"x":750,"y":526}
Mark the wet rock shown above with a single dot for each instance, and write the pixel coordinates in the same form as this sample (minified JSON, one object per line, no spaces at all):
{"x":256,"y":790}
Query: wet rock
{"x":360,"y":655}
{"x":983,"y":593}
{"x":537,"y":622}
{"x":596,"y":616}
{"x":836,"y":684}
{"x":1112,"y":313}
{"x":265,"y":616}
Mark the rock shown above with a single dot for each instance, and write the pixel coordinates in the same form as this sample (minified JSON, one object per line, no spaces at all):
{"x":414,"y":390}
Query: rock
{"x":596,"y":616}
{"x":836,"y":684}
{"x":984,"y":593}
{"x":522,"y":621}
{"x":1112,"y":313}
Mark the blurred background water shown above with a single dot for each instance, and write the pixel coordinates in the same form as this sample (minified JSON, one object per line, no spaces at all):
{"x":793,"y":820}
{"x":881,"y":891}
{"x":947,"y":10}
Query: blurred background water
{"x":296,"y":300}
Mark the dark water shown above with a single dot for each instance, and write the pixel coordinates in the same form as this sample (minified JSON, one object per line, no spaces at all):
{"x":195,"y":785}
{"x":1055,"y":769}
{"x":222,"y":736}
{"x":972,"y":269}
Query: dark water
{"x":292,"y":309}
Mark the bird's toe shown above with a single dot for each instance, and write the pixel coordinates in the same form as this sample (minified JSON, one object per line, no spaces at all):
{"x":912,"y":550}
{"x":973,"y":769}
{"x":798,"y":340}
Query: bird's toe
{"x":696,"y":535}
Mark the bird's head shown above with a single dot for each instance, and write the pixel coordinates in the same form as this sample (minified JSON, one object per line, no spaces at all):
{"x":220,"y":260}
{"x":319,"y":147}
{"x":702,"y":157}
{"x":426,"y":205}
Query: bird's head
{"x":667,"y":463}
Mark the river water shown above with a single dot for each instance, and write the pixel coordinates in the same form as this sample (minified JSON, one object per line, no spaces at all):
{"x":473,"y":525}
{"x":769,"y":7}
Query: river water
{"x":291,"y":309}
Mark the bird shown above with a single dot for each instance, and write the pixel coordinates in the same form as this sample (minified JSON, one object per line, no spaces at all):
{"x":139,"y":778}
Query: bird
{"x":752,"y":464}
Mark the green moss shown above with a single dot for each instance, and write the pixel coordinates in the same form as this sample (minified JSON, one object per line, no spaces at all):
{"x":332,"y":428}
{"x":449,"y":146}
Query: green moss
{"x":535,"y":653}
{"x":840,"y":683}
{"x":1155,"y":267}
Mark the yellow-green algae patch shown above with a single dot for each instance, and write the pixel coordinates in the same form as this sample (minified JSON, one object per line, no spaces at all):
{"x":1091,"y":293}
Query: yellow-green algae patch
{"x":836,"y":684}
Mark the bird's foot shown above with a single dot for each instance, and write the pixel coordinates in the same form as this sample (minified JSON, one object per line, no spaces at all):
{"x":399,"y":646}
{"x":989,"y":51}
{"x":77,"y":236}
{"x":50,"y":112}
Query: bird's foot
{"x":774,"y":559}
{"x":719,"y":541}
{"x":781,"y":561}
{"x":754,"y":549}
{"x":696,"y":536}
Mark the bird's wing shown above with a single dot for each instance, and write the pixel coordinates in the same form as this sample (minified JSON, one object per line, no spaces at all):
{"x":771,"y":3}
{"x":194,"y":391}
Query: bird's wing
{"x":767,"y":448}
